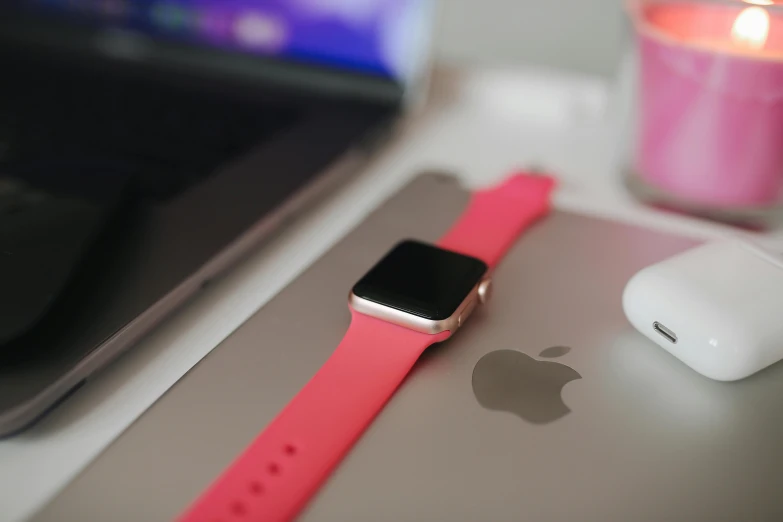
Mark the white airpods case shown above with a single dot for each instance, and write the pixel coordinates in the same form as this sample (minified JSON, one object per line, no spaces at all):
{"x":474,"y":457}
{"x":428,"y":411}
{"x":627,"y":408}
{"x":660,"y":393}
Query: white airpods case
{"x":717,"y":307}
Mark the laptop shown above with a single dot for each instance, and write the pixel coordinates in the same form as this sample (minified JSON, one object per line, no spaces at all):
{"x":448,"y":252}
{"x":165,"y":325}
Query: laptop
{"x":147,"y":145}
{"x":547,"y":406}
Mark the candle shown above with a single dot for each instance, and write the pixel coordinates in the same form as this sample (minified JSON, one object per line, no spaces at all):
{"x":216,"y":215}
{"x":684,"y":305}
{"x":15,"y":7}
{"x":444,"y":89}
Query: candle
{"x":711,"y":101}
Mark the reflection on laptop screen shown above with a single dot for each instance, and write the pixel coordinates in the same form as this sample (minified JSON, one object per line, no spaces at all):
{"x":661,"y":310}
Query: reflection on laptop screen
{"x":369,"y":36}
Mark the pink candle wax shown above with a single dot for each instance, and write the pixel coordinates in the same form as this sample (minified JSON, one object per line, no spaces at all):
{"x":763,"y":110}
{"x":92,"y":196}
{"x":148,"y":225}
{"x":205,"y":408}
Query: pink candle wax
{"x":711,"y":102}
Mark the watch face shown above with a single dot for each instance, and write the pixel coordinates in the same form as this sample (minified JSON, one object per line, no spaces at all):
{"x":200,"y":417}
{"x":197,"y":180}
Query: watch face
{"x":422,"y":280}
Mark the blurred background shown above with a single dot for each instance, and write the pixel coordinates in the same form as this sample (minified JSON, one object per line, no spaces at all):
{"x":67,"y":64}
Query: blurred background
{"x":578,"y":35}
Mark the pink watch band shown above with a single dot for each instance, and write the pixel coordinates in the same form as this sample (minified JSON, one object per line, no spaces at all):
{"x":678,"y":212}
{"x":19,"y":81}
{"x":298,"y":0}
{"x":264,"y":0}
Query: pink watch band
{"x":495,"y":217}
{"x":272,"y":480}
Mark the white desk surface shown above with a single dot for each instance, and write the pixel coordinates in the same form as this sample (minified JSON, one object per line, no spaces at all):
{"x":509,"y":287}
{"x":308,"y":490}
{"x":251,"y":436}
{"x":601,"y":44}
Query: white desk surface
{"x":480,"y":125}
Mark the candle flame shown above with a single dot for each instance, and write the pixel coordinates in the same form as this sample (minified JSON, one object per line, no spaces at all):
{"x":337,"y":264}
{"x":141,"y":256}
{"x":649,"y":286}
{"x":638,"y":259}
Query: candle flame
{"x":751,"y":27}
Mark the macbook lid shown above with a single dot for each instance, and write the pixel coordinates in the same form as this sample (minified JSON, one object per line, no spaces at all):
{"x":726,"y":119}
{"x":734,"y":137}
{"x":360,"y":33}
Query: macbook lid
{"x":376,"y":48}
{"x":547,"y":406}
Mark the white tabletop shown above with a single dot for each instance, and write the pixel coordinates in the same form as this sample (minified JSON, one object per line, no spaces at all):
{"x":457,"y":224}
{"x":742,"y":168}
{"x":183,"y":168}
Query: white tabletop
{"x":479,"y":125}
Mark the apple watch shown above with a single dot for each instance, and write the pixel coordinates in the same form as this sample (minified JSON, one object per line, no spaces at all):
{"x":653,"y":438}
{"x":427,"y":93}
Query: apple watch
{"x":417,"y":295}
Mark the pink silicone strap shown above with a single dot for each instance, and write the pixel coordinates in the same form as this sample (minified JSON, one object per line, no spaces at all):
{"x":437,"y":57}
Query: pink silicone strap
{"x":274,"y":477}
{"x":495,"y":217}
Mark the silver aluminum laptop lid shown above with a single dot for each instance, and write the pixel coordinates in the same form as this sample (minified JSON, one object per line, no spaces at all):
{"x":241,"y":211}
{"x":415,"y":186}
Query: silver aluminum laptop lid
{"x":478,"y":431}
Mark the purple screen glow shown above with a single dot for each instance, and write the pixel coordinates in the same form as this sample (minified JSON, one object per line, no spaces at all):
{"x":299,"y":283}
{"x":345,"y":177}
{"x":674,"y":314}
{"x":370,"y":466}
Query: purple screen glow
{"x":381,"y":37}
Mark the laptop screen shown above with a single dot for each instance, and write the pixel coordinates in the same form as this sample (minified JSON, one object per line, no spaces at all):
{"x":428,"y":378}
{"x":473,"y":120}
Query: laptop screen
{"x":378,"y":37}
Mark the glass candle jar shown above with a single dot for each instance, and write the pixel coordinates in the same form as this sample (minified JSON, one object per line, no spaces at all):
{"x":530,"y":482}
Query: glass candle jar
{"x":708,"y":135}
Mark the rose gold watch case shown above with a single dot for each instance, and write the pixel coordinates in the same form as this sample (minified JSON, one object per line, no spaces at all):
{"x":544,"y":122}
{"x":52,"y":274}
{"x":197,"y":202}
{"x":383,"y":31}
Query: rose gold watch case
{"x":477,"y":295}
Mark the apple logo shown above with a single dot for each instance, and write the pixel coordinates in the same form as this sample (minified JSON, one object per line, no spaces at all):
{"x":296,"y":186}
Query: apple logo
{"x":511,"y":381}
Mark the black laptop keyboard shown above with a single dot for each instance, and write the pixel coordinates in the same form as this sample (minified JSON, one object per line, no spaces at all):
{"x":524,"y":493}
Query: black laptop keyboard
{"x":77,"y":146}
{"x":171,"y":137}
